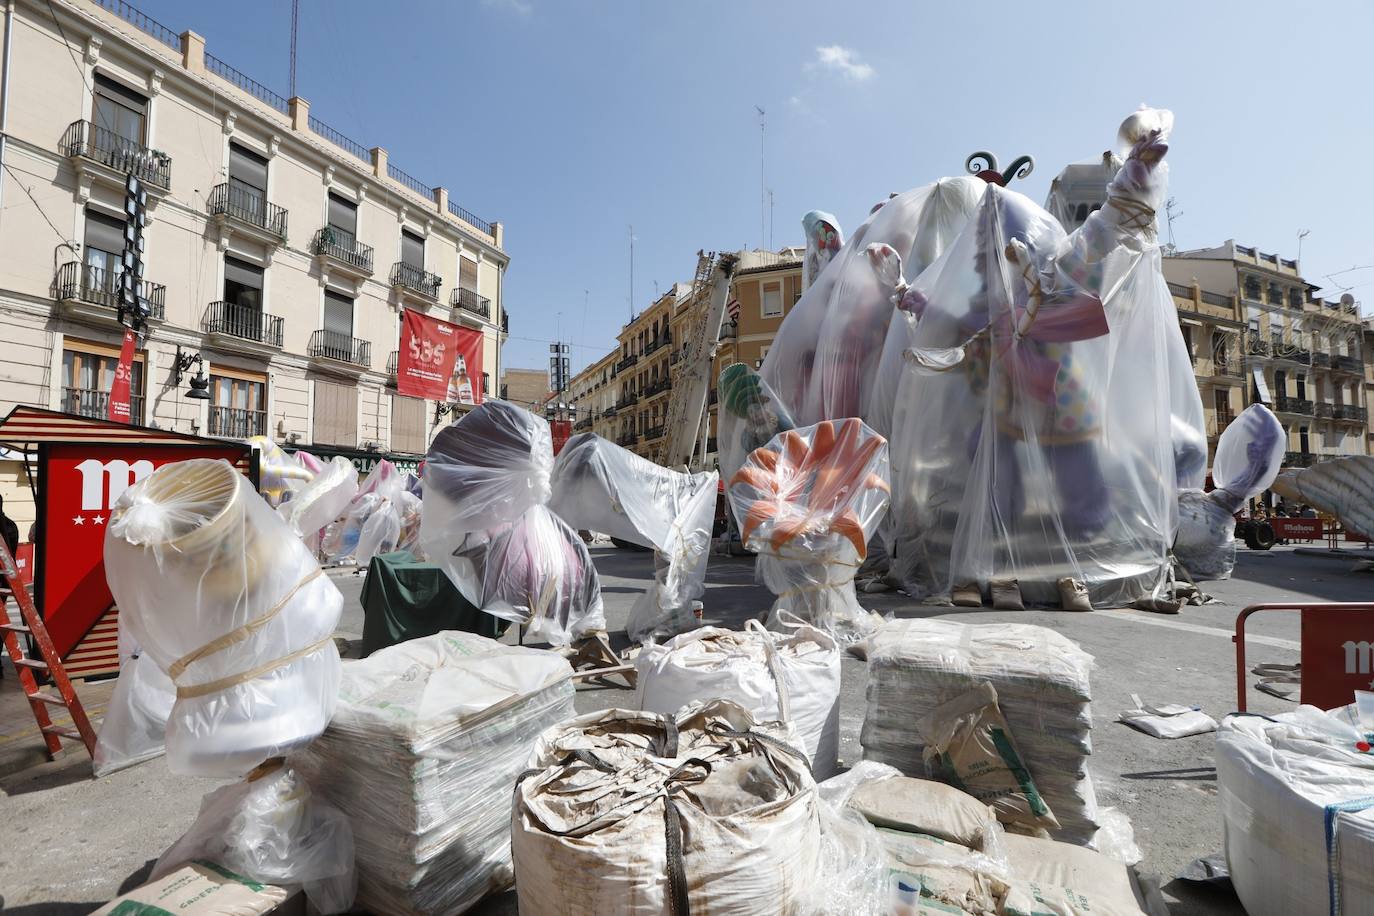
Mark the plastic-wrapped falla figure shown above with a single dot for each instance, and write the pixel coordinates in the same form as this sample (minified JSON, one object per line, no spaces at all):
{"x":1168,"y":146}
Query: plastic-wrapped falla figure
{"x":1039,"y":447}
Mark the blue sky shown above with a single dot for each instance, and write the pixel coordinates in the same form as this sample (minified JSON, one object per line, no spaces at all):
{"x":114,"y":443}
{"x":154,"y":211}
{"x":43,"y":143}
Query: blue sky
{"x":569,"y":121}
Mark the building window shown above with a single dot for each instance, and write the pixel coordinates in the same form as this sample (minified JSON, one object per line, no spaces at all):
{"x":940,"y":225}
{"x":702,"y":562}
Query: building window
{"x":243,"y":283}
{"x":238,"y":404}
{"x":336,"y":414}
{"x":1221,"y":354}
{"x":1252,"y":288}
{"x":1188,"y":340}
{"x":88,"y":376}
{"x":413,"y":249}
{"x":467,"y":274}
{"x":1302,"y":386}
{"x":338,"y":315}
{"x":343,"y":216}
{"x":772,"y":300}
{"x":1081,"y":214}
{"x":1221,"y":402}
{"x":486,"y":383}
{"x":120,"y":110}
{"x":104,"y":248}
{"x":1304,"y":442}
{"x":1295,"y":298}
{"x":247,"y":184}
{"x":408,"y":425}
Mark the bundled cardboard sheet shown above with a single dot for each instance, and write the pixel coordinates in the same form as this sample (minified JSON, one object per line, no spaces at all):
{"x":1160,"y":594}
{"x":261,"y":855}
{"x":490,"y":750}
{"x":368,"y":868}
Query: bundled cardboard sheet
{"x":423,"y":753}
{"x":1041,"y":683}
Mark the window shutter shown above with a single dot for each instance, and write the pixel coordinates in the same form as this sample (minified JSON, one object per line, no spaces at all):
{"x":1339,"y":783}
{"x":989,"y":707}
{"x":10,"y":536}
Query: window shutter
{"x":467,"y":274}
{"x":407,"y":424}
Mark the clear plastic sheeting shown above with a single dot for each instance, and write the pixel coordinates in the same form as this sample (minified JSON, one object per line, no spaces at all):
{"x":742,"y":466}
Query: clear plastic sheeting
{"x":325,"y":498}
{"x":1042,"y":685}
{"x":634,"y":813}
{"x":750,"y":415}
{"x":280,"y":476}
{"x":486,"y":522}
{"x":423,"y":753}
{"x":808,"y":503}
{"x":135,"y":720}
{"x":1034,"y":429}
{"x":272,"y":829}
{"x":599,"y":486}
{"x":824,"y":238}
{"x":232,"y":606}
{"x":825,"y":359}
{"x":1249,"y":454}
{"x":792,"y":677}
{"x":1343,"y":487}
{"x":1297,"y":807}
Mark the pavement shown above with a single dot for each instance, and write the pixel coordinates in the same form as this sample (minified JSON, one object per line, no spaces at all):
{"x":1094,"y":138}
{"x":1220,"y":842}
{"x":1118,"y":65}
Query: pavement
{"x":73,"y":842}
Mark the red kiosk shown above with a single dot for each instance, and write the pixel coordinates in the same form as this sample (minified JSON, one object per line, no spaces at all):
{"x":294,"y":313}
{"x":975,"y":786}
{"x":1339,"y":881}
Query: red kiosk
{"x":84,"y":464}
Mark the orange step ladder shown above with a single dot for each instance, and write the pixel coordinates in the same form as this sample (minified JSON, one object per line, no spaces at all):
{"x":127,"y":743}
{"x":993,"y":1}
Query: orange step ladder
{"x":51,"y":663}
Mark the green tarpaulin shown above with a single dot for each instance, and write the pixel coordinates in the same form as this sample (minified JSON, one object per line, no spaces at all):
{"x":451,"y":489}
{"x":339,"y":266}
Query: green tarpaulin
{"x":404,"y":599}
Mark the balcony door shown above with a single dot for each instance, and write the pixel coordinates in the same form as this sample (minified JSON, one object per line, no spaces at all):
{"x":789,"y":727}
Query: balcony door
{"x":343,"y":219}
{"x":120,"y":116}
{"x":242,"y":315}
{"x":247,"y":185}
{"x":104,"y":249}
{"x":338,"y":326}
{"x":88,"y":372}
{"x":238,"y":404}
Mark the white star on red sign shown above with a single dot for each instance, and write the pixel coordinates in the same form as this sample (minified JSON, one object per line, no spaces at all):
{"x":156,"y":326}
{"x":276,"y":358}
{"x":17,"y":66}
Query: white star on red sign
{"x":79,"y":520}
{"x":99,"y":519}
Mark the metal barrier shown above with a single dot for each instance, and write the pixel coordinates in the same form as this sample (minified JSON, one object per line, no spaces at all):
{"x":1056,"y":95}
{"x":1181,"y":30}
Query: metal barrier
{"x":1336,"y":650}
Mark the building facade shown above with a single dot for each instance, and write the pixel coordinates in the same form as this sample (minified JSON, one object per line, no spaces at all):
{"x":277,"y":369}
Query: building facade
{"x":527,"y":388}
{"x":278,"y":251}
{"x":1303,"y":355}
{"x":624,"y":395}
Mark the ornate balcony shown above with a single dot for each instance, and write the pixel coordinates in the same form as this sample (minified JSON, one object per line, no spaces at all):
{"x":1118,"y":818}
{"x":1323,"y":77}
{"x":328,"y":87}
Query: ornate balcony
{"x":627,"y":400}
{"x":237,"y":422}
{"x":468,"y":301}
{"x":340,"y":351}
{"x":627,"y":441}
{"x":1301,"y":406}
{"x":1348,"y":364}
{"x":654,"y":432}
{"x":237,"y":207}
{"x":626,"y":363}
{"x":234,"y":323}
{"x":1298,"y":459}
{"x":334,"y":247}
{"x":1324,"y":411}
{"x":108,"y":155}
{"x":88,"y":402}
{"x":1351,"y":413}
{"x":93,"y":293}
{"x":1321,"y":360}
{"x":411,"y":279}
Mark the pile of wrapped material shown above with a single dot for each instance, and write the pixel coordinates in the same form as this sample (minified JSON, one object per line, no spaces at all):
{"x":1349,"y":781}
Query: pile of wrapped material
{"x":807,"y":504}
{"x":946,"y":853}
{"x":423,"y":753}
{"x":599,"y":486}
{"x":321,"y":501}
{"x":635,"y":813}
{"x":229,"y":603}
{"x":791,"y":677}
{"x":485,"y":521}
{"x":1297,"y":803}
{"x":928,"y":677}
{"x":371,"y":524}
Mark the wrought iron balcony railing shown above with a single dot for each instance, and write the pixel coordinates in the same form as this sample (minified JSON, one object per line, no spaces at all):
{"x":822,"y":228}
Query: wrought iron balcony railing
{"x":99,"y":144}
{"x":627,"y":441}
{"x":243,"y":322}
{"x":77,"y":282}
{"x":89,"y":402}
{"x":584,"y":423}
{"x":340,"y":347}
{"x":247,"y":205}
{"x":626,"y":363}
{"x":1293,"y":405}
{"x":658,"y":387}
{"x":1298,"y":459}
{"x":408,"y":276}
{"x":1347,"y":363}
{"x":1256,"y":345}
{"x":469,"y":301}
{"x":654,"y":432}
{"x":1321,"y":360}
{"x":393,"y":362}
{"x":1351,"y":412}
{"x":1324,"y":411}
{"x":627,"y":400}
{"x":609,"y":411}
{"x":343,"y":246}
{"x":237,"y":422}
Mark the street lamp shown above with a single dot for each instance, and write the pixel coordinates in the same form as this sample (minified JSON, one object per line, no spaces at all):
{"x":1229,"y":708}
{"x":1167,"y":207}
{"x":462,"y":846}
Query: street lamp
{"x":200,"y":385}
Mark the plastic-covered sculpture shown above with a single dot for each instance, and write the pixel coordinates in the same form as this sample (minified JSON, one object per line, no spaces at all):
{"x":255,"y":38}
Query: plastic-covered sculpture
{"x":1343,"y":487}
{"x":323,"y":499}
{"x":1249,"y":454}
{"x":372,"y":522}
{"x":599,"y":486}
{"x":750,"y":416}
{"x":231,"y":605}
{"x":824,"y":239}
{"x":1033,"y":431}
{"x":807,"y":503}
{"x":135,"y":720}
{"x":279,"y":475}
{"x":825,"y":358}
{"x":485,"y":521}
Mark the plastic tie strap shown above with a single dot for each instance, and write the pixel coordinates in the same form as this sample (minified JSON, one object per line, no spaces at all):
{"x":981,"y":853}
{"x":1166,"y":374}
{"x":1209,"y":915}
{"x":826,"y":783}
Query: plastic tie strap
{"x":1333,"y":883}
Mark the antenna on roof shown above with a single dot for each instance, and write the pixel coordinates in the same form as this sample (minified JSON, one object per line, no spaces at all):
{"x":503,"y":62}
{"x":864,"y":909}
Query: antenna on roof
{"x":295,"y":18}
{"x":1302,"y":234}
{"x":763,"y":184}
{"x":1170,"y":216}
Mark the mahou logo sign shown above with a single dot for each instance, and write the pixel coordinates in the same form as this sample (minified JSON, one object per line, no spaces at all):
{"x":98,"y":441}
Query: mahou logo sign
{"x":103,"y":482}
{"x":427,"y":354}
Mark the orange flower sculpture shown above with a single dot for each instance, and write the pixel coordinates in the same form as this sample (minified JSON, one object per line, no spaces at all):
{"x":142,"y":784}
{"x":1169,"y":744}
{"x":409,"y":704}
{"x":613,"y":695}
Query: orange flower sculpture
{"x":808,"y":502}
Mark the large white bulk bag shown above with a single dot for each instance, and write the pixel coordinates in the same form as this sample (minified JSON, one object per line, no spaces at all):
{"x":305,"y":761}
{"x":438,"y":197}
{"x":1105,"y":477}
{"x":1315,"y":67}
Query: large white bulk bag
{"x":635,"y":813}
{"x":792,"y":677}
{"x":1297,"y":805}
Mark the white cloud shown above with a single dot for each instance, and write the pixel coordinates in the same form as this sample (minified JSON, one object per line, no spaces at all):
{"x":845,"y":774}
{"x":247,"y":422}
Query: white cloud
{"x":518,"y":7}
{"x":843,"y":61}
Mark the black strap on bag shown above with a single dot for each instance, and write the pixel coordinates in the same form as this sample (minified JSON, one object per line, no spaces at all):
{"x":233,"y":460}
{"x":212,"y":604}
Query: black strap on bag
{"x":678,"y":902}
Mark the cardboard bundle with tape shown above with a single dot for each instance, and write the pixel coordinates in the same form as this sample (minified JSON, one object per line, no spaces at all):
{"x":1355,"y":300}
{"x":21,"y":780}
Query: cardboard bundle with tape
{"x":807,"y":503}
{"x":599,"y":486}
{"x":485,"y":521}
{"x":1040,"y":684}
{"x":792,"y":677}
{"x":227,"y":600}
{"x":423,"y":753}
{"x":636,"y":813}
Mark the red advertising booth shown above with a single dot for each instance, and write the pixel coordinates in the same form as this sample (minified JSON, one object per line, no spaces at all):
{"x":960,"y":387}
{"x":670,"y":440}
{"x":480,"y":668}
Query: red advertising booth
{"x":82,"y":466}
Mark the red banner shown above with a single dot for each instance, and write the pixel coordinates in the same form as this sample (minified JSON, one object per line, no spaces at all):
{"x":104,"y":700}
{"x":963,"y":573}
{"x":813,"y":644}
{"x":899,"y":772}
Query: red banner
{"x":465,"y":386}
{"x":562,"y":431}
{"x":77,"y":485}
{"x":1337,"y":655}
{"x":1297,"y":529}
{"x":124,"y":371}
{"x":429,"y":347}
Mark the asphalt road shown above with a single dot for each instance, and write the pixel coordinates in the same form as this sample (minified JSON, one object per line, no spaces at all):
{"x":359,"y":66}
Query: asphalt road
{"x":74,"y":842}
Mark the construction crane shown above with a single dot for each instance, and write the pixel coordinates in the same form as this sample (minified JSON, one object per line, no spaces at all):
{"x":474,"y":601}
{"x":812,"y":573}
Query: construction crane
{"x":688,"y":421}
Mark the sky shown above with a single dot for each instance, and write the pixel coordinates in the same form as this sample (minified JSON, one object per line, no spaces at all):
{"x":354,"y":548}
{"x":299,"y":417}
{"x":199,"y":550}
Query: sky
{"x":571,"y":121}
